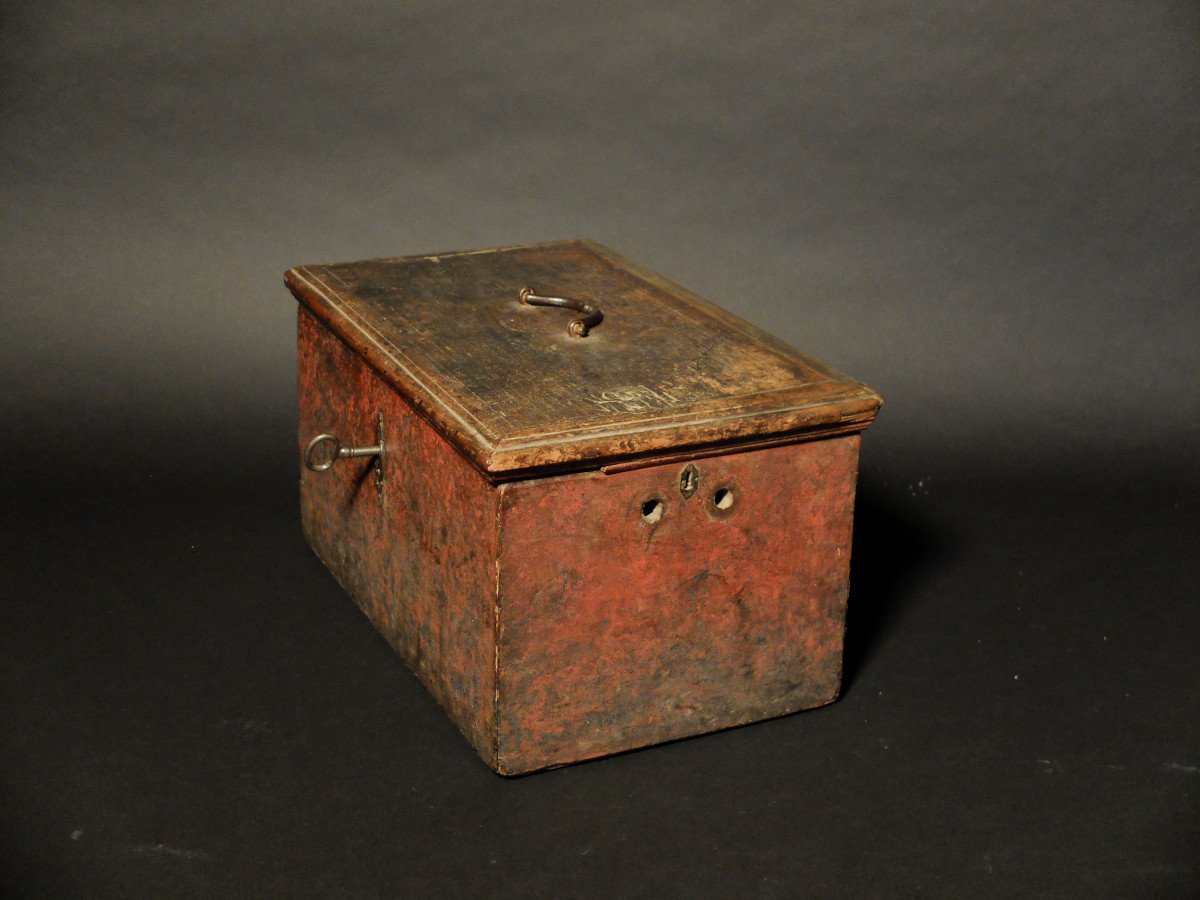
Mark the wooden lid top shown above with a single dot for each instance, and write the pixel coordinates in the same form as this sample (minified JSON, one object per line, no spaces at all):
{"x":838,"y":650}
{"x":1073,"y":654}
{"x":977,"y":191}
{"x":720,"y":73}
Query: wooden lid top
{"x":516,"y":391}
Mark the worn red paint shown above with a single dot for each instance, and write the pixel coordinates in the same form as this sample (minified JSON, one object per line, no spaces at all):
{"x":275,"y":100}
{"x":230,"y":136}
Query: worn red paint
{"x":615,"y":633}
{"x":509,"y":557}
{"x":547,"y":617}
{"x":421,"y":560}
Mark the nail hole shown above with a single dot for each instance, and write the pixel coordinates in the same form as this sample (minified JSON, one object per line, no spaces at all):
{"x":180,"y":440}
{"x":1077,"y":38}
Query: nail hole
{"x":652,"y":511}
{"x":723,"y":498}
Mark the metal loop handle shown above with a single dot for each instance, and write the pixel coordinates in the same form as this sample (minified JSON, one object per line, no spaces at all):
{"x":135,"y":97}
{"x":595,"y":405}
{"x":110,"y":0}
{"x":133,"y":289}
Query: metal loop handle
{"x":338,"y":452}
{"x":579,"y":327}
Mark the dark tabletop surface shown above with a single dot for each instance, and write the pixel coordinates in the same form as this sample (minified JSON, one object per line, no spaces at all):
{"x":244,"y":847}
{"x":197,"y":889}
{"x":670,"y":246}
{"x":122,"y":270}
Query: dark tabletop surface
{"x":987,"y":214}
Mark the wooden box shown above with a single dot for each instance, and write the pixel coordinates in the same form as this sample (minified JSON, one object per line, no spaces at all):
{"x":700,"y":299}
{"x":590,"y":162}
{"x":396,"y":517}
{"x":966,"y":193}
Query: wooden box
{"x":590,"y":510}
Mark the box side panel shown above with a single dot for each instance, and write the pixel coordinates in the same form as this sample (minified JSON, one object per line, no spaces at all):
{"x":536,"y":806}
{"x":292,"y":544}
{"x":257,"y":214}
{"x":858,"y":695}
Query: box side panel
{"x":617,"y":632}
{"x":419,"y":559}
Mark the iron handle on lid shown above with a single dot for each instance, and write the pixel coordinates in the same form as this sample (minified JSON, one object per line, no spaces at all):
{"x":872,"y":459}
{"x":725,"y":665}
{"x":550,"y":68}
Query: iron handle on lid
{"x":579,"y":327}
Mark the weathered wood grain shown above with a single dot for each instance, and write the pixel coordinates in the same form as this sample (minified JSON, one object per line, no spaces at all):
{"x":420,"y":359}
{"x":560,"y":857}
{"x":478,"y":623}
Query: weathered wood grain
{"x":516,"y":393}
{"x":615,"y":632}
{"x":420,"y":559}
{"x":536,"y":553}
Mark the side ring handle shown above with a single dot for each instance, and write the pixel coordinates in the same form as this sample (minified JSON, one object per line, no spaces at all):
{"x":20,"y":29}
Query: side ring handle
{"x":336,"y":452}
{"x":579,"y":327}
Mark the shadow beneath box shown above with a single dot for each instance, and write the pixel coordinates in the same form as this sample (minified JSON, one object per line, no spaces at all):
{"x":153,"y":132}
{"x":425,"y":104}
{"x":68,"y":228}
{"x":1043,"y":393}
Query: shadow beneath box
{"x":892,"y":548}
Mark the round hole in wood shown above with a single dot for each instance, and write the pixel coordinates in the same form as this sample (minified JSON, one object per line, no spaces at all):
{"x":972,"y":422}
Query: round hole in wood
{"x":723,"y":498}
{"x":652,"y":510}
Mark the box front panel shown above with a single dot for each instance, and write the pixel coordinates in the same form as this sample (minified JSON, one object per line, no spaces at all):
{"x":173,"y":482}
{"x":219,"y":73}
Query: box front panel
{"x":672,"y":600}
{"x":419,"y":556}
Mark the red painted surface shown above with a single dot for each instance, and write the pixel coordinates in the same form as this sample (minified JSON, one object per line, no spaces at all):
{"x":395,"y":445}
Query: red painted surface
{"x":547,"y":617}
{"x":615,"y":633}
{"x":422,"y":563}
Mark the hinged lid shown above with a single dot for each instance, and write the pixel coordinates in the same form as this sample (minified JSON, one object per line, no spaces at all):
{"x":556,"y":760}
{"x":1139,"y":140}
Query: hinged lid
{"x":514,"y":386}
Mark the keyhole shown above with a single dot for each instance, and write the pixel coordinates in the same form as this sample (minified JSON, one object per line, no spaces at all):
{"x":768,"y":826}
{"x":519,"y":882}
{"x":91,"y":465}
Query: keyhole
{"x":689,"y":480}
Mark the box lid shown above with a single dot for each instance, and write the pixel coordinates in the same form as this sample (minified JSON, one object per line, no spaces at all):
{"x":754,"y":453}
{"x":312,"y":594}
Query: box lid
{"x":513,"y":384}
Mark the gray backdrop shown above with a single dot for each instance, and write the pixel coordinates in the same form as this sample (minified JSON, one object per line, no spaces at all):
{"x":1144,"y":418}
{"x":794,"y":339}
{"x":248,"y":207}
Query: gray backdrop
{"x":988,"y":212}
